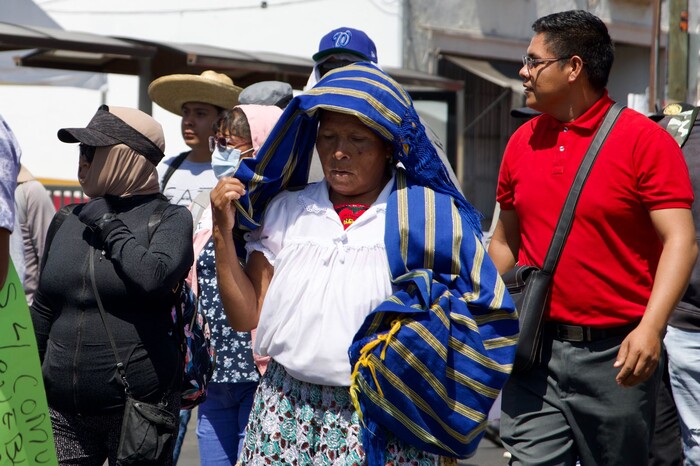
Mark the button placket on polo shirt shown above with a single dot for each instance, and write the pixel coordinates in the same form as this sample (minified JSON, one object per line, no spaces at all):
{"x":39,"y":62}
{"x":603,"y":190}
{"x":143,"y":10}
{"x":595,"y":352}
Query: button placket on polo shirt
{"x":561,"y":156}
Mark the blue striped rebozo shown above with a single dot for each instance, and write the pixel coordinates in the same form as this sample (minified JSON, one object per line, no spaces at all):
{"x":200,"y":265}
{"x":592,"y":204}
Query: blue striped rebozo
{"x":430,"y":360}
{"x":362,"y":90}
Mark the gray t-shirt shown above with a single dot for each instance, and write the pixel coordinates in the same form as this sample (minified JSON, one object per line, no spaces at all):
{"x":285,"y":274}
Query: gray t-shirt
{"x":187,"y":181}
{"x":34,"y":212}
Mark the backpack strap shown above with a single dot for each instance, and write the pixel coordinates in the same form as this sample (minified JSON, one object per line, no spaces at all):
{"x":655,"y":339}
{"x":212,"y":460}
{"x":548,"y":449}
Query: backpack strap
{"x":58,"y":219}
{"x":156,"y":217}
{"x":154,"y":221}
{"x":200,"y":203}
{"x":171,"y":169}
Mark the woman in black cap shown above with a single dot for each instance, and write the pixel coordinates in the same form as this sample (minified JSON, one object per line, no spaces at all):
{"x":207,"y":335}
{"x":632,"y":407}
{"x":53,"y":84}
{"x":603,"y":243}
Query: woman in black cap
{"x":133,"y":248}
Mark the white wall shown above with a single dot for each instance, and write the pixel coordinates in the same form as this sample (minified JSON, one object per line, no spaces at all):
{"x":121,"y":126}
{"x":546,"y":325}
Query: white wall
{"x":292,"y":27}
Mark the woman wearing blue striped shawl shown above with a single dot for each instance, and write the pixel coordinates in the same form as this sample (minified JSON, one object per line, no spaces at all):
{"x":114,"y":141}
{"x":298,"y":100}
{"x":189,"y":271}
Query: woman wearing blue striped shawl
{"x":389,"y":329}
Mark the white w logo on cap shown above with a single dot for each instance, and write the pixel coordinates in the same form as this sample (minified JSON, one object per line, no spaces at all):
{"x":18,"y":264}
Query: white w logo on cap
{"x":342,"y":38}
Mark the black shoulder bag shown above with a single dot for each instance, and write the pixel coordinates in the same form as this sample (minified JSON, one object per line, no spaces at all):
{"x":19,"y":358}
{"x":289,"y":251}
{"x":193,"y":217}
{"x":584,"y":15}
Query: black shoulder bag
{"x":529,"y":286}
{"x":148,"y":430}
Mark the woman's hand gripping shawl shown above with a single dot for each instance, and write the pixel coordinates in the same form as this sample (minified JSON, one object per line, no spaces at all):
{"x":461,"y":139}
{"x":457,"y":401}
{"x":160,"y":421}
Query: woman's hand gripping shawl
{"x":430,"y":360}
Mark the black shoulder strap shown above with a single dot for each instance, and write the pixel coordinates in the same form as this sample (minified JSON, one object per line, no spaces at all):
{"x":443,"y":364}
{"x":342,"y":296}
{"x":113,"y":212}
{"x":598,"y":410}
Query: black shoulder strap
{"x":171,"y":169}
{"x":56,"y":223}
{"x":566,"y":217}
{"x":120,"y":366}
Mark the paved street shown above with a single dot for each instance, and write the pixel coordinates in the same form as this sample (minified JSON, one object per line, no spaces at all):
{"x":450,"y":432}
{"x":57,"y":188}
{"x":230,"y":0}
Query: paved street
{"x":487,"y":454}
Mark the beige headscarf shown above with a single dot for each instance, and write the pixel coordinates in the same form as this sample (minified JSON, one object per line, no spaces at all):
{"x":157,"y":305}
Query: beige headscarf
{"x":118,"y":170}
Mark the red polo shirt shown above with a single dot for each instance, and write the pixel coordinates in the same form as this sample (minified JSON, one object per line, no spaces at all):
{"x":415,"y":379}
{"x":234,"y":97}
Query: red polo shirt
{"x":607,"y":267}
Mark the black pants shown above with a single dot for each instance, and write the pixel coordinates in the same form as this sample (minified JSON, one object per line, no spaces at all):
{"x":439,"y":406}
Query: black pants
{"x":666,"y":446}
{"x":570,"y":407}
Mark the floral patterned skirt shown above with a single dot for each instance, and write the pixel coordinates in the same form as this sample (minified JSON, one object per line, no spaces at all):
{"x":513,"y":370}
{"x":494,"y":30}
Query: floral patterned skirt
{"x":298,"y":423}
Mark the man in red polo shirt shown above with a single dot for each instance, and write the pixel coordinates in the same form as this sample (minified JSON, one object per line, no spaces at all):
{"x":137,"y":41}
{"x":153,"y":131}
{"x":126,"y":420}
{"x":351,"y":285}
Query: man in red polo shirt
{"x":624,"y":267}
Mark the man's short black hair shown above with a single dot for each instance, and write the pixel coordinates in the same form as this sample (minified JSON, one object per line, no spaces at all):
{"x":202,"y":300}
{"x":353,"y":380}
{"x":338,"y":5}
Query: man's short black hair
{"x":578,"y":32}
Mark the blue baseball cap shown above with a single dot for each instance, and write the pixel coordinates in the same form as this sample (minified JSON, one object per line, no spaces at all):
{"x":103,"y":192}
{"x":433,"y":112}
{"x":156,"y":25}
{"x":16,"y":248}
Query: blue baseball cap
{"x":346,"y":40}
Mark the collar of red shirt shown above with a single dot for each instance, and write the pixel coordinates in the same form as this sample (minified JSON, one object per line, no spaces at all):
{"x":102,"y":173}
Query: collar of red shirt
{"x":586,"y":123}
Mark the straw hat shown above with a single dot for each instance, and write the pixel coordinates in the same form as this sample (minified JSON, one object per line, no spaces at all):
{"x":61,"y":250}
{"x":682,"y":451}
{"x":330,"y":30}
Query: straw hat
{"x":210,"y":87}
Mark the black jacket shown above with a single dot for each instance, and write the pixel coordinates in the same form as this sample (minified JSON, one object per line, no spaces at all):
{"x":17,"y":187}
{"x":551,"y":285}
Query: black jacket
{"x":135,"y":280}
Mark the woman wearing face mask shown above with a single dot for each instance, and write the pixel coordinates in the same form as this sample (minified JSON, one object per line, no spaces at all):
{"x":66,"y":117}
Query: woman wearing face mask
{"x":136,"y":270}
{"x":222,"y":418}
{"x":232,"y":142}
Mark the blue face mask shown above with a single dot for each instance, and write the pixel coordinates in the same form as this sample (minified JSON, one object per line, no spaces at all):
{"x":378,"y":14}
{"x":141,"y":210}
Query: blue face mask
{"x":224,"y":161}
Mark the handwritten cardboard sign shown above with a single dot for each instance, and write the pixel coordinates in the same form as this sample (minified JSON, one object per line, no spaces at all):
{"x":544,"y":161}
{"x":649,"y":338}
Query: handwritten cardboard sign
{"x":25,"y":428}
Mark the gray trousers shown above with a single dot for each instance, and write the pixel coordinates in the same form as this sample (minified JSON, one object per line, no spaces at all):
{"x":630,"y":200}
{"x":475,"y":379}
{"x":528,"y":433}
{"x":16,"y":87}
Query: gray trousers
{"x":570,"y":408}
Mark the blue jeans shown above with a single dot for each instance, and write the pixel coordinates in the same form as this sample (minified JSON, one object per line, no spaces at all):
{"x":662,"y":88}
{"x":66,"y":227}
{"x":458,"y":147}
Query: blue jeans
{"x":222,"y":421}
{"x":683,"y":349}
{"x":185,"y":415}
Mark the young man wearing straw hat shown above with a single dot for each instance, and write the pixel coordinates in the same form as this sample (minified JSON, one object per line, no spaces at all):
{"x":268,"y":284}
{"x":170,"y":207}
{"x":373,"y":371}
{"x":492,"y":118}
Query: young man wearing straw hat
{"x":199,"y":99}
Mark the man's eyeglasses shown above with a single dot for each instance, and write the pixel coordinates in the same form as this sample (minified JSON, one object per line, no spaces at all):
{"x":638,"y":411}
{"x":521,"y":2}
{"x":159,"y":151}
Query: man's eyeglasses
{"x":223,"y":142}
{"x":530,"y":62}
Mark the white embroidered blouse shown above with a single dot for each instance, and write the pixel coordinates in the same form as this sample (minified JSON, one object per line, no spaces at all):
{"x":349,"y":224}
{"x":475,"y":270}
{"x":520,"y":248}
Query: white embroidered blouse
{"x":326,"y":281}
